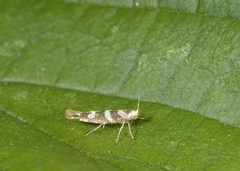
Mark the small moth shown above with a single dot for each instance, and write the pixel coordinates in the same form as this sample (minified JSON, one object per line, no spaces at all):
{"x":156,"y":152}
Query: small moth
{"x":121,"y":116}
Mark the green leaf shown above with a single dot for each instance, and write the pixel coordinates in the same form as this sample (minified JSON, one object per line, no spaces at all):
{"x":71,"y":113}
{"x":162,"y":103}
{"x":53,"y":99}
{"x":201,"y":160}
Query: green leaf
{"x":221,"y":8}
{"x":24,"y":146}
{"x":56,"y":55}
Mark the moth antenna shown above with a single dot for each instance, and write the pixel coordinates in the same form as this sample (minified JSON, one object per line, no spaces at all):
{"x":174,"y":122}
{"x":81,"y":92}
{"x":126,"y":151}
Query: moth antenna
{"x":138,"y":105}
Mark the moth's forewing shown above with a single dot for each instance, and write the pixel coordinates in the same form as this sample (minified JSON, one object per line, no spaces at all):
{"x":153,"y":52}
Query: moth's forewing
{"x":72,"y":114}
{"x":99,"y":117}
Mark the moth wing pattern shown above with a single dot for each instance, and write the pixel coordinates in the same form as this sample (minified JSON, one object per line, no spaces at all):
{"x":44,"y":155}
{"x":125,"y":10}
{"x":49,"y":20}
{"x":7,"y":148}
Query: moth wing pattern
{"x":122,"y":116}
{"x":99,"y":117}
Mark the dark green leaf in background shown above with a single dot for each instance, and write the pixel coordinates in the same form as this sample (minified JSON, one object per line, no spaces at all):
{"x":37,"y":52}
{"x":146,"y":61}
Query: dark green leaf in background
{"x":181,"y":57}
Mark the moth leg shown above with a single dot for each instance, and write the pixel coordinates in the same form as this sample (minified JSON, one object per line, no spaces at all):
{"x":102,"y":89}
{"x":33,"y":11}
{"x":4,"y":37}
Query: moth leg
{"x":119,"y":132}
{"x":103,"y":125}
{"x":94,"y":129}
{"x":129,"y":129}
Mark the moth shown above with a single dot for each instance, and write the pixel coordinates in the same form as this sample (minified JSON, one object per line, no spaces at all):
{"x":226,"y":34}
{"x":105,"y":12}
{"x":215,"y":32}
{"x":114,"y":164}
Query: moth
{"x":121,"y":116}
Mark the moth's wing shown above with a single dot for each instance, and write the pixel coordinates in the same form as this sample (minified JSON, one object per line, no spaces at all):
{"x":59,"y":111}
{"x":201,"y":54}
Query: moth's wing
{"x":105,"y":117}
{"x":99,"y":117}
{"x":117,"y":116}
{"x":73,"y":114}
{"x":86,"y":116}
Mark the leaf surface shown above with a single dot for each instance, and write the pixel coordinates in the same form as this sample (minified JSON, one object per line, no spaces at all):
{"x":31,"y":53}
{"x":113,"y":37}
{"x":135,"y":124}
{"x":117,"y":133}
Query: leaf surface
{"x":56,"y":55}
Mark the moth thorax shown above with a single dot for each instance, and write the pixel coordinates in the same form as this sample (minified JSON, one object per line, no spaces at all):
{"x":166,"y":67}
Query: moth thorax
{"x":133,"y":114}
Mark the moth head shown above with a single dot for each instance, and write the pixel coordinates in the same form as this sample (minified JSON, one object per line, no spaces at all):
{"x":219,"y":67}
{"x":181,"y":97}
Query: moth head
{"x":133,"y":114}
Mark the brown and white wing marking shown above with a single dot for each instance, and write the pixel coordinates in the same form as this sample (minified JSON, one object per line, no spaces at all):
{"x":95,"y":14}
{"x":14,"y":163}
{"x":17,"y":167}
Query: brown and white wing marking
{"x":88,"y":116}
{"x":115,"y":116}
{"x":119,"y":116}
{"x":72,"y":114}
{"x":122,"y":116}
{"x":100,"y":117}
